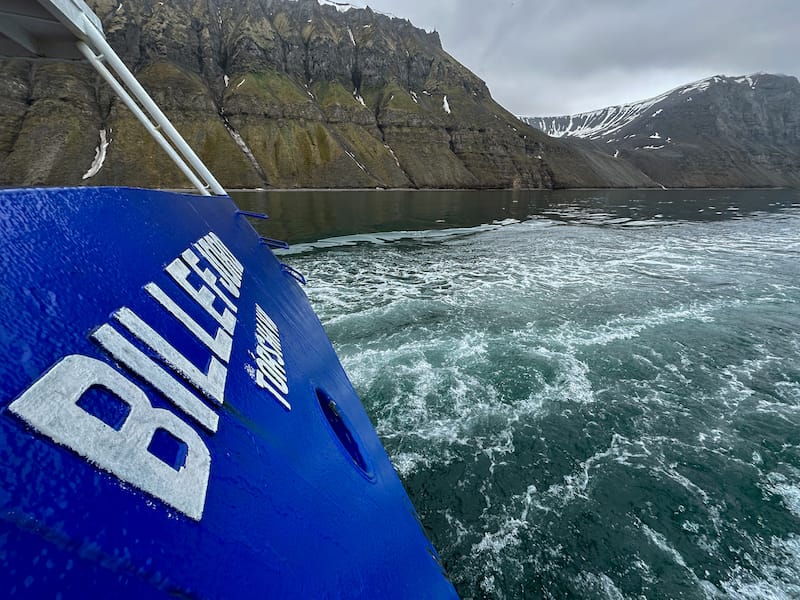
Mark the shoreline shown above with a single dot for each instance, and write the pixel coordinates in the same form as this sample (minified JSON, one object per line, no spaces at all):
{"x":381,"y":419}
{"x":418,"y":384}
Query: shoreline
{"x":476,"y":190}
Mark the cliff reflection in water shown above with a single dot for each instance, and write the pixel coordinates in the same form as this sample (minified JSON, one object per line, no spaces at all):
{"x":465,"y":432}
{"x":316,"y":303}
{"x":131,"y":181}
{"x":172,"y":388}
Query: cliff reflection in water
{"x":310,"y":215}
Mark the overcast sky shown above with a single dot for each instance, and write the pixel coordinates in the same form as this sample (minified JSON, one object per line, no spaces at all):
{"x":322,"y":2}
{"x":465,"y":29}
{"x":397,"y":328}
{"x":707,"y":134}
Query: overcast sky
{"x":552,"y":57}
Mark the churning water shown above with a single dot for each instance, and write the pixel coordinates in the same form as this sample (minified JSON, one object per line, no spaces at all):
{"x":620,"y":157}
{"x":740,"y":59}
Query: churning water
{"x":599,"y":398}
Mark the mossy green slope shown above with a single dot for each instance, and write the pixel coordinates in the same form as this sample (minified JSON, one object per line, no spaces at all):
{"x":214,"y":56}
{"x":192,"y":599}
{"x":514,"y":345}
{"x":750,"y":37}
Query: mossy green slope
{"x":281,"y":93}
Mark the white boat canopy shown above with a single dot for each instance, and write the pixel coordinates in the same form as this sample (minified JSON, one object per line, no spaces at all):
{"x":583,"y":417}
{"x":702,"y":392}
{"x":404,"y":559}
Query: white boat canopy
{"x":45,"y":29}
{"x":68,"y":29}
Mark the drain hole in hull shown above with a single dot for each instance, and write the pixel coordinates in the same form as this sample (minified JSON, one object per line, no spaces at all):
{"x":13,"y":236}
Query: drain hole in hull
{"x":341,"y":429}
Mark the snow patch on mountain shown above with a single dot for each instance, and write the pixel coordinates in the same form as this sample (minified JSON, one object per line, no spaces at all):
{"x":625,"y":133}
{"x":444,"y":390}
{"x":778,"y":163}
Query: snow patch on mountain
{"x":607,"y":121}
{"x":99,"y":156}
{"x":749,"y":80}
{"x":340,"y":6}
{"x":359,"y":99}
{"x":699,"y":86}
{"x":355,"y":160}
{"x":594,"y":124}
{"x":343,"y":7}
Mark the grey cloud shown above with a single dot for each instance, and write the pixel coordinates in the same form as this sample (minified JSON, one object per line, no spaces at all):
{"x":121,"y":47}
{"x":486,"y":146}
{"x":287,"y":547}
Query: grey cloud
{"x":560,"y":56}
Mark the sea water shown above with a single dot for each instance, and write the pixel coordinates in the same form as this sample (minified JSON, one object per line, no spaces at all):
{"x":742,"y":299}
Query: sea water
{"x":586,"y":394}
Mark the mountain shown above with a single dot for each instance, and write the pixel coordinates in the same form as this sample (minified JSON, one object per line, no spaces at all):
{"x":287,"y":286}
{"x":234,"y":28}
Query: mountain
{"x":721,"y":131}
{"x":280,"y":93}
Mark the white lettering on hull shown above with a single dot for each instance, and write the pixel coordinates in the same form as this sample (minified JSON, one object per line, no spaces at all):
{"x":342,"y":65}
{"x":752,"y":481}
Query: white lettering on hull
{"x":52,"y":404}
{"x":220,"y":344}
{"x":202,"y":295}
{"x":270,"y":373}
{"x":137,"y":361}
{"x":211,"y":383}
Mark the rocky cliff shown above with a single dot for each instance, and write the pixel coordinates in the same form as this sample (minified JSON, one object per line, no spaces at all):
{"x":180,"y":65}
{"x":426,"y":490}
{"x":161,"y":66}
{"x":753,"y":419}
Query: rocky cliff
{"x":279,"y":93}
{"x":721,"y":131}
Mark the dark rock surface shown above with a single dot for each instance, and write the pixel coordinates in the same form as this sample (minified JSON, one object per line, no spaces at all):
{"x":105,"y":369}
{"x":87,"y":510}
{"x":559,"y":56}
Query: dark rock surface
{"x":719,"y":132}
{"x":281,"y":93}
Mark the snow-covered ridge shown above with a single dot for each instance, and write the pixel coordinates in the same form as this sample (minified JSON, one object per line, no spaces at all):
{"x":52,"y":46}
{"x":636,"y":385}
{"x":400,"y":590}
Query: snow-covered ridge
{"x":345,"y":6}
{"x":607,"y":121}
{"x":340,"y":6}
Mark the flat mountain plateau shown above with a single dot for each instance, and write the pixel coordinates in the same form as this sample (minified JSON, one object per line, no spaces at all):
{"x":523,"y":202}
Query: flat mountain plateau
{"x":298,"y":94}
{"x":718,"y":132}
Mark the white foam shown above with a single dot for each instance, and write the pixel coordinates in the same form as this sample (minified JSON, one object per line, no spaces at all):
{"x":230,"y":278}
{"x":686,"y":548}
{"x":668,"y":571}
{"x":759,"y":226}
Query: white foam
{"x":435,"y":332}
{"x":602,"y":583}
{"x":775,"y":579}
{"x":789,"y":491}
{"x":576,"y":485}
{"x":427,"y":235}
{"x":572,"y":336}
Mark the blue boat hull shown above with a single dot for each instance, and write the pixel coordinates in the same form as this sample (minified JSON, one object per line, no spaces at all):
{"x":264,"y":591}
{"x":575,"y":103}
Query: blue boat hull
{"x":173,"y":418}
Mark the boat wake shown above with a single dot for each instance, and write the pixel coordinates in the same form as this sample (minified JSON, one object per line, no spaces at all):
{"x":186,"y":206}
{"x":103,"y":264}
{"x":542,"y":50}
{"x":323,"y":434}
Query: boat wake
{"x":389,"y":237}
{"x":585,"y":411}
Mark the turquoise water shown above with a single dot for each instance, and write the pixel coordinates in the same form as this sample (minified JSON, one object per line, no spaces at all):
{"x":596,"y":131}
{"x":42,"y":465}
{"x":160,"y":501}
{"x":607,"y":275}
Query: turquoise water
{"x":586,"y":394}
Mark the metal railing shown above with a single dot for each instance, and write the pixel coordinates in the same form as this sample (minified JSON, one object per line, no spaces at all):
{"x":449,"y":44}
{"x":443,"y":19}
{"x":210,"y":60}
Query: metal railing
{"x":99,"y":54}
{"x":52,"y":28}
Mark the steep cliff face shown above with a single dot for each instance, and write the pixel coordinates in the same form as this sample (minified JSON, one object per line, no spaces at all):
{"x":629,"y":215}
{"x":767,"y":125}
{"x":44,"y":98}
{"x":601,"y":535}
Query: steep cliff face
{"x":280,"y":93}
{"x":722,"y":131}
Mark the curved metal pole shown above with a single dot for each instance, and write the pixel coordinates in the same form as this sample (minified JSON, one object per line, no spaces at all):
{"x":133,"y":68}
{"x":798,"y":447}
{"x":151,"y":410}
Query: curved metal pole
{"x":95,"y":61}
{"x":98,"y":42}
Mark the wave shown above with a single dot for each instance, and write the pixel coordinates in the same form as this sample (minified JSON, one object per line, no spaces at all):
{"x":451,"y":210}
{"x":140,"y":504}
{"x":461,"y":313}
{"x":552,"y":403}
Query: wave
{"x":388,"y":237}
{"x":561,"y":401}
